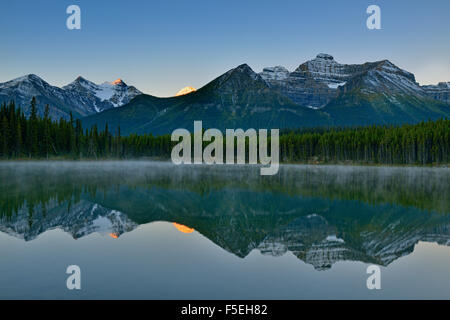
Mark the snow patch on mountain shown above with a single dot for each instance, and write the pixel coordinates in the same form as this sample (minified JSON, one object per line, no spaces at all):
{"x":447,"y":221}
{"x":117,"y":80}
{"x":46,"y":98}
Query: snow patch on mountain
{"x":336,"y":85}
{"x":334,"y":238}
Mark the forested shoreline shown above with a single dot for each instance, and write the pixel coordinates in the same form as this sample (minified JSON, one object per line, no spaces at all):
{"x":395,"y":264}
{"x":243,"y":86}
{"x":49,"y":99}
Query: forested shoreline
{"x":35,"y":137}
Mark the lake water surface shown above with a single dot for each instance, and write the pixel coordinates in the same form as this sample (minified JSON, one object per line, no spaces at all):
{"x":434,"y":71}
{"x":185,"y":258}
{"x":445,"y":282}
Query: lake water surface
{"x":149,"y":230}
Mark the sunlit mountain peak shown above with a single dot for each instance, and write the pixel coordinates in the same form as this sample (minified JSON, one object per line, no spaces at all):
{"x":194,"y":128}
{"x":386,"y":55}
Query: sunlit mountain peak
{"x":185,"y":90}
{"x":118,"y":81}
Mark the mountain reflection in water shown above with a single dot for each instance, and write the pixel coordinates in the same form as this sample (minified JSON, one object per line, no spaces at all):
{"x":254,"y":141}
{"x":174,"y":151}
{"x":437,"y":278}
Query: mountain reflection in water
{"x":321,"y":214}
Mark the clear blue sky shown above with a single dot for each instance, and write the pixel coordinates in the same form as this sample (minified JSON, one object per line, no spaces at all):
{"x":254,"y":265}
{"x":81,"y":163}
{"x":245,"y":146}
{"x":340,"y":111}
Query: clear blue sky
{"x":162,"y":46}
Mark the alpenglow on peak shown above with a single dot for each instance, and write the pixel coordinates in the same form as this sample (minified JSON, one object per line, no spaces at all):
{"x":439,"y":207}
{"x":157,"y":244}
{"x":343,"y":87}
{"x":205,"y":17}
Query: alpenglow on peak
{"x":185,"y":90}
{"x":118,"y":81}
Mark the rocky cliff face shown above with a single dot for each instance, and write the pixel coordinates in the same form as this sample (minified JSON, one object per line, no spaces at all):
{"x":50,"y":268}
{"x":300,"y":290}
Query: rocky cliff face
{"x":313,"y":83}
{"x":316,"y":82}
{"x":274,"y":74}
{"x":385,"y":78}
{"x":440,"y":92}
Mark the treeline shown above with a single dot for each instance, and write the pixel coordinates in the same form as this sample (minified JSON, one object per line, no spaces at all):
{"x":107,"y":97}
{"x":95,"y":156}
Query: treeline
{"x":40,"y":138}
{"x":422,"y":143}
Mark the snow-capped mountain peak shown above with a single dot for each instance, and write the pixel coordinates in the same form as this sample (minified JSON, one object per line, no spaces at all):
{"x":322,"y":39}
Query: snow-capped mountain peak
{"x":118,"y":82}
{"x":100,"y":97}
{"x":27,"y":79}
{"x":185,"y":90}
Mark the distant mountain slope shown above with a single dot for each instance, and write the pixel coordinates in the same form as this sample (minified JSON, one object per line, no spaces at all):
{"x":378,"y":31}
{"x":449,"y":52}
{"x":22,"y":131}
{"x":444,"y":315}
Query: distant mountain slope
{"x":81,"y":97}
{"x":441,"y":91}
{"x":23,"y":89}
{"x":383,"y":94}
{"x":240,"y":98}
{"x":359,"y":109}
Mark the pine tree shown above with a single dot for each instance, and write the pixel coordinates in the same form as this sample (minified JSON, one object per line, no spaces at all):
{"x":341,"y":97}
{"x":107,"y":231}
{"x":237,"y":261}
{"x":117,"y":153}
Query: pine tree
{"x":5,"y":137}
{"x":46,"y":134}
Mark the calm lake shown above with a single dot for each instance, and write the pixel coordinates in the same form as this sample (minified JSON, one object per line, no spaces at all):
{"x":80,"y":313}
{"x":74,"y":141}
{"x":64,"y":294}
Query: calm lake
{"x":152,"y":230}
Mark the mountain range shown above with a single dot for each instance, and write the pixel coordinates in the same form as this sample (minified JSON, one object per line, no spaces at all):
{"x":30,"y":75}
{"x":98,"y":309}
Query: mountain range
{"x":320,"y":92}
{"x":81,"y":97}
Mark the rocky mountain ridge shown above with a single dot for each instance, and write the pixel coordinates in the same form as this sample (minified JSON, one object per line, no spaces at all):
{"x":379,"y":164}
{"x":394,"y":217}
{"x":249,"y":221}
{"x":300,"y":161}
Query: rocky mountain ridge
{"x":318,"y":81}
{"x":81,"y":97}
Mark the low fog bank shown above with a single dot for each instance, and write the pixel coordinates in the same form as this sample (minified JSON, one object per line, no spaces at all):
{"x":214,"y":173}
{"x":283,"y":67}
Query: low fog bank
{"x":136,"y":167}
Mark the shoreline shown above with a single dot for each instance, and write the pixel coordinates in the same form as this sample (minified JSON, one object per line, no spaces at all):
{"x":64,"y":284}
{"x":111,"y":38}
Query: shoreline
{"x":293,"y":163}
